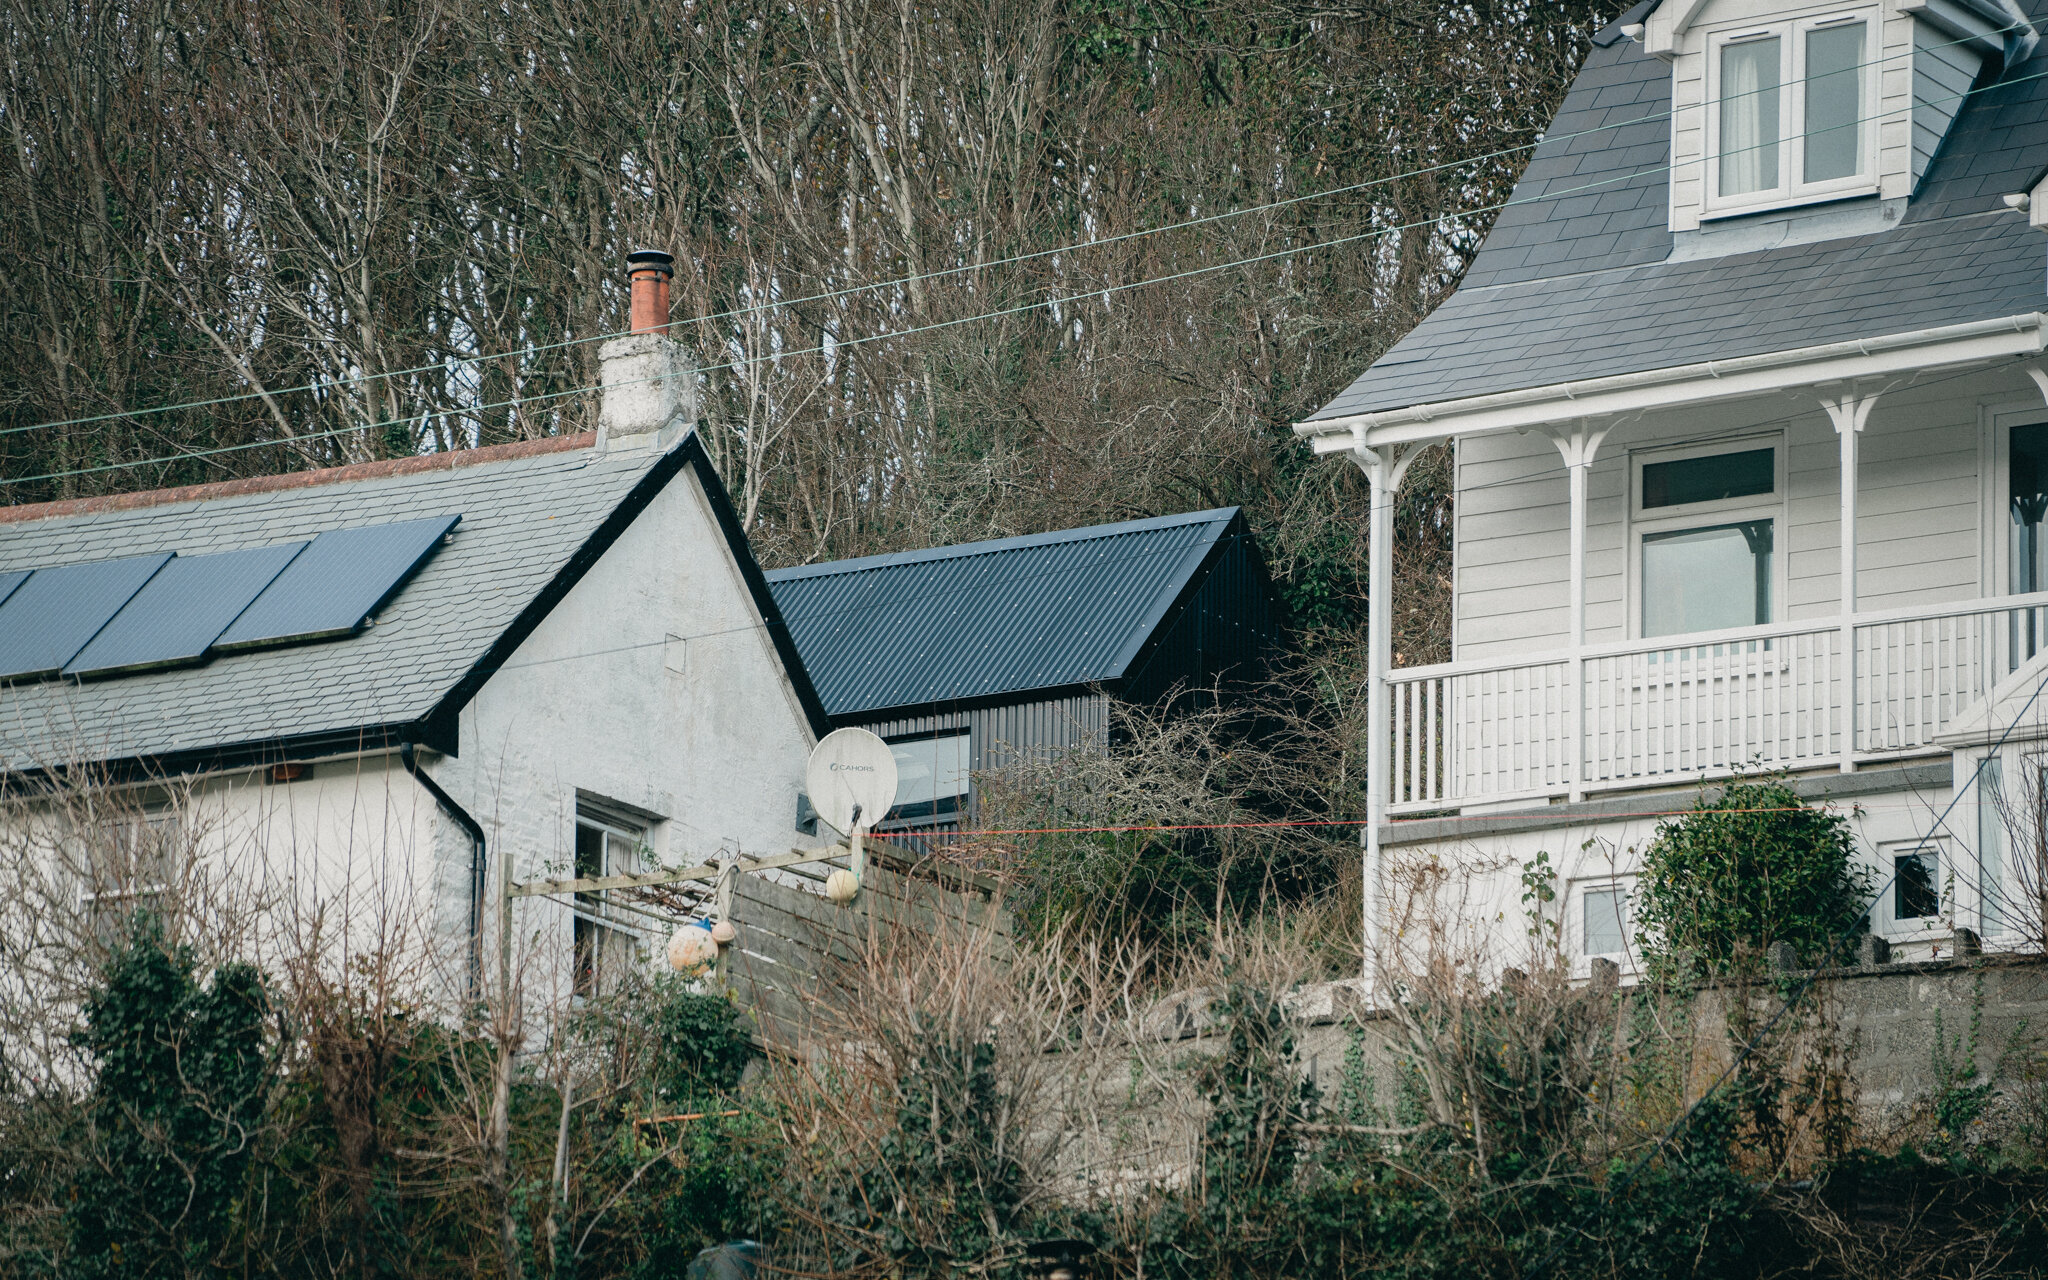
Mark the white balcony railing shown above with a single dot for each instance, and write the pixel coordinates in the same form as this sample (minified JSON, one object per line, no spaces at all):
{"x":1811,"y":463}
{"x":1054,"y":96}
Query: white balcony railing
{"x":1781,"y":696}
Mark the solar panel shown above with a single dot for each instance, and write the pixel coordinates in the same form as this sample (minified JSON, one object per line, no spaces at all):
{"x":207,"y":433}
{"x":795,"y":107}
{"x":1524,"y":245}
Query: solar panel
{"x":182,"y":610}
{"x":336,"y":582}
{"x":9,"y":581}
{"x":50,"y":617}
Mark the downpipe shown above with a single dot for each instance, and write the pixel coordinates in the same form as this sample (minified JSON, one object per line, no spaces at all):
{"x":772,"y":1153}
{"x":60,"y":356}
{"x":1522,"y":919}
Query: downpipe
{"x":408,"y":755}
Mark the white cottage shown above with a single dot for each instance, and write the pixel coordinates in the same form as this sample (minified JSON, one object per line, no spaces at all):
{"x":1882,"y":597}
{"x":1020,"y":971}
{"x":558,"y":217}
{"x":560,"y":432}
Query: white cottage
{"x":397,"y":682}
{"x":1746,"y":388}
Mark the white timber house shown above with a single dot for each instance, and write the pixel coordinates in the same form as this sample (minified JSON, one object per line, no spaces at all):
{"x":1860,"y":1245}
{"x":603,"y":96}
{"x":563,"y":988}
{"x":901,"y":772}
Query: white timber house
{"x":1746,"y":388}
{"x":389,"y":687}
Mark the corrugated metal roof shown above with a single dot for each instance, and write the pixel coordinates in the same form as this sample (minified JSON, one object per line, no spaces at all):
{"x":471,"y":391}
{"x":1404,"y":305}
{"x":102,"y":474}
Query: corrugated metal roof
{"x":990,"y":618}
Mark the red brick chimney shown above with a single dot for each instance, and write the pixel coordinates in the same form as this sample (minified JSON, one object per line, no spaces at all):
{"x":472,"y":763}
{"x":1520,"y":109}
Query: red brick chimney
{"x":649,"y":270}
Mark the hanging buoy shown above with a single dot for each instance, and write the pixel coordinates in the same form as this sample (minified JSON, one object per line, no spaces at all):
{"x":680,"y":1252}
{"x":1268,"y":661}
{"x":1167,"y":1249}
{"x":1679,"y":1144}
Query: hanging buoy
{"x":841,"y":886}
{"x":691,"y":949}
{"x":723,"y":933}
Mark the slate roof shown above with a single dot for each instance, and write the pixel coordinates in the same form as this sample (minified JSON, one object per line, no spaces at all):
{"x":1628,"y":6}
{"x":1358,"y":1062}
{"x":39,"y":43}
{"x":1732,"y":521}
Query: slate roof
{"x":986,"y":619}
{"x":533,"y":517}
{"x":1573,"y":281}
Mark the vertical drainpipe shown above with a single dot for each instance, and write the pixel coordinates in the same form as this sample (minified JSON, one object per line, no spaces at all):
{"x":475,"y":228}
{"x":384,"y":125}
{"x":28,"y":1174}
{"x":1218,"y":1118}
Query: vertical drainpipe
{"x":408,"y":756}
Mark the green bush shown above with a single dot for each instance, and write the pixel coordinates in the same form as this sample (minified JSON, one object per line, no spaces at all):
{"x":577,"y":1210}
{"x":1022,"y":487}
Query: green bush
{"x":168,"y":1130}
{"x":1749,"y":867}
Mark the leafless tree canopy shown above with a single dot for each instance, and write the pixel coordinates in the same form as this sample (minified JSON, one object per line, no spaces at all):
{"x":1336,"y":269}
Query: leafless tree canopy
{"x":395,"y":227}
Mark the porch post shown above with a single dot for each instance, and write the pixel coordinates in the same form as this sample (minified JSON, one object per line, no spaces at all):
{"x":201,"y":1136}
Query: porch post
{"x":1384,"y":465}
{"x":1579,"y":446}
{"x":1849,"y":412}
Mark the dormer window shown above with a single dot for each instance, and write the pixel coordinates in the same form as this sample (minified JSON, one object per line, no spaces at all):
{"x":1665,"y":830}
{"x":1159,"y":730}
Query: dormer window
{"x":1790,"y":118}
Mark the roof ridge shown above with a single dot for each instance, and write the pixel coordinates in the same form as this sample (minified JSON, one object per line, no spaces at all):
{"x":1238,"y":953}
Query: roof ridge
{"x":992,"y":546}
{"x":446,"y":461}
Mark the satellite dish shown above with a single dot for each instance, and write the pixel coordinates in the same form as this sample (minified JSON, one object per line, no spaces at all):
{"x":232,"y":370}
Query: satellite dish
{"x":851,"y":769}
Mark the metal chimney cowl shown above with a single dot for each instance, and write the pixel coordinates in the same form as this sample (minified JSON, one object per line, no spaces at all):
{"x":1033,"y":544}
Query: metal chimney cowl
{"x":649,"y":394}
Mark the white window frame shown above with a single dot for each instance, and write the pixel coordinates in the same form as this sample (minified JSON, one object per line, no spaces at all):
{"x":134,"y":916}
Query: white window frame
{"x":1575,"y":923}
{"x":1772,"y":506}
{"x":610,"y":934}
{"x":126,"y":889}
{"x":1790,"y":191}
{"x":1935,"y":928}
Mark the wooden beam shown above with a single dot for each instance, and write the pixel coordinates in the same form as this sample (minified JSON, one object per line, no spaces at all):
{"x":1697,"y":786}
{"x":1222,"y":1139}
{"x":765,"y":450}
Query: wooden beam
{"x":677,"y":875}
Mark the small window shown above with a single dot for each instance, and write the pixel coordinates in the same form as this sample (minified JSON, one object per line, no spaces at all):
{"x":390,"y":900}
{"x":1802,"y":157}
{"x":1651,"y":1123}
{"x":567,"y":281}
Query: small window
{"x":931,"y":775}
{"x":1916,"y":885}
{"x":133,"y":865}
{"x":1713,"y":478}
{"x":1605,"y":920}
{"x":1791,"y":111}
{"x":608,"y":843}
{"x":1707,"y":579}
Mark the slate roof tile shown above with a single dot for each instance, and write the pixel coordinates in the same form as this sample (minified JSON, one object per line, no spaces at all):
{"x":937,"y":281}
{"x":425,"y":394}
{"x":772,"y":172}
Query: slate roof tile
{"x":505,"y":551}
{"x":1576,"y":283}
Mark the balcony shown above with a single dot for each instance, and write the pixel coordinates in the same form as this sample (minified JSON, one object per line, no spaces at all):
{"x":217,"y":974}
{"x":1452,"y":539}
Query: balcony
{"x":1842,"y":693}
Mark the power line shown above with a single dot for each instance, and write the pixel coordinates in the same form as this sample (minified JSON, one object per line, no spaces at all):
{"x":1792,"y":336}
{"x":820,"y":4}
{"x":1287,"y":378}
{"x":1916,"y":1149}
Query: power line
{"x":945,"y":273}
{"x":1080,"y":296}
{"x":1798,"y":994}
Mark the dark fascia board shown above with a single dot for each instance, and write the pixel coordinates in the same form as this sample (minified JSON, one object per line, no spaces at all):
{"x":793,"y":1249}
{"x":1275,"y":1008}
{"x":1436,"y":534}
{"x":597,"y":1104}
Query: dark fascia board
{"x":688,"y":452}
{"x":1085,"y":533}
{"x":232,"y":757}
{"x":865,"y":717}
{"x":798,"y":675}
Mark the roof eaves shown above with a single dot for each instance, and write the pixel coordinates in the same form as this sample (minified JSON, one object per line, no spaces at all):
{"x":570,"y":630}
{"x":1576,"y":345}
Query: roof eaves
{"x":1219,"y":516}
{"x":1699,"y":383}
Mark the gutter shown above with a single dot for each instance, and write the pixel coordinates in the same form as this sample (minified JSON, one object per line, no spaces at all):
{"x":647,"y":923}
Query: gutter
{"x":408,"y":756}
{"x":1690,"y":384}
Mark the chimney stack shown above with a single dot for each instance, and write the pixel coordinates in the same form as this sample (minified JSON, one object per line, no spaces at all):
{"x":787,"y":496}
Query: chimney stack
{"x":649,"y":270}
{"x":648,"y":384}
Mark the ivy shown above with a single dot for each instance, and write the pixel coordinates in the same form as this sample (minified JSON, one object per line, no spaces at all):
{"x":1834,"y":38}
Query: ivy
{"x":167,"y":1131}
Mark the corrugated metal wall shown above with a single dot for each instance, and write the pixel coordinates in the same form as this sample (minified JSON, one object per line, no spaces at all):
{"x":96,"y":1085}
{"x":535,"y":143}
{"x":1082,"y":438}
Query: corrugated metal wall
{"x":1231,"y":626}
{"x":999,"y":736}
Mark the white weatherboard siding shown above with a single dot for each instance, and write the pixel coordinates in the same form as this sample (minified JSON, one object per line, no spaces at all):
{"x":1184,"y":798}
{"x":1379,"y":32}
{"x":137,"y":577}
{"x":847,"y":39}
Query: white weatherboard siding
{"x":1478,"y":877}
{"x":1919,"y":529}
{"x":652,"y":684}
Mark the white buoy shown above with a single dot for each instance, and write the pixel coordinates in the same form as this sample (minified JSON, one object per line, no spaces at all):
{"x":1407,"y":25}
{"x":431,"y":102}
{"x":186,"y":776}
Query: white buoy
{"x":841,"y":886}
{"x":691,"y":949}
{"x":723,"y":933}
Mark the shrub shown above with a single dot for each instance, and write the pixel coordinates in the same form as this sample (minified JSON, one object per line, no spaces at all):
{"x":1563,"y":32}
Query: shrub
{"x":168,"y":1129}
{"x":1752,"y":866}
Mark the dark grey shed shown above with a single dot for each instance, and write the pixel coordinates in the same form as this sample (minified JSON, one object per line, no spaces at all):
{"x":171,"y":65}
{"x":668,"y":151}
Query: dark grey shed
{"x":991,"y":650}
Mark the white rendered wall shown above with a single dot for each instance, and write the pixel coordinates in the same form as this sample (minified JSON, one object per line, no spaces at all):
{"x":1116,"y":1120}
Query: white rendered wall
{"x":654,"y":685}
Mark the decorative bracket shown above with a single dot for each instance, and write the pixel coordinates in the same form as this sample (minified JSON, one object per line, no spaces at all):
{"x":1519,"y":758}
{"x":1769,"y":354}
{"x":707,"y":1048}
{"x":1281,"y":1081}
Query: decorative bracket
{"x":1849,"y":411}
{"x":1579,"y":443}
{"x":1386,"y":464}
{"x":2038,"y":371}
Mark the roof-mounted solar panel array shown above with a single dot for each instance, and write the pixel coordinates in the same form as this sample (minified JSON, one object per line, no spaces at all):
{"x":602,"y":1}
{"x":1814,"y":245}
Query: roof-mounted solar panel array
{"x":336,"y":583}
{"x":111,"y":617}
{"x":50,"y":617}
{"x":181,"y":611}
